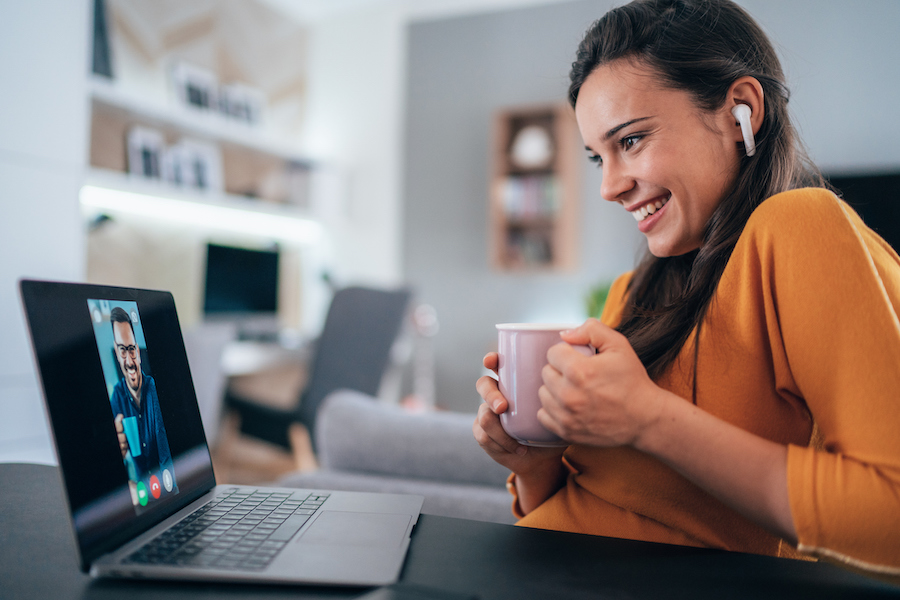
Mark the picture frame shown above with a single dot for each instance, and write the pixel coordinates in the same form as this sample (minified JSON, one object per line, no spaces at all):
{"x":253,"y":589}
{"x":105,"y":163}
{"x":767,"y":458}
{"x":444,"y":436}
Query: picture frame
{"x":174,"y":165}
{"x":242,"y":103}
{"x":195,"y":87}
{"x":198,"y":164}
{"x":146,"y":147}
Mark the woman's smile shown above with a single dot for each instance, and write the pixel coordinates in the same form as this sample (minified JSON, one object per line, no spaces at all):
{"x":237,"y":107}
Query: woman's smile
{"x":649,"y":213}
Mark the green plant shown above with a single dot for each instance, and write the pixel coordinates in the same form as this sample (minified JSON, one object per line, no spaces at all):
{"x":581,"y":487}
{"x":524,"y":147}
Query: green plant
{"x":596,"y":299}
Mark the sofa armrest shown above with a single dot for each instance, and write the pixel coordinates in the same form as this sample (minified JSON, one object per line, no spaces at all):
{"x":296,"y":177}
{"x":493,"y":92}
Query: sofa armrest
{"x":355,"y":432}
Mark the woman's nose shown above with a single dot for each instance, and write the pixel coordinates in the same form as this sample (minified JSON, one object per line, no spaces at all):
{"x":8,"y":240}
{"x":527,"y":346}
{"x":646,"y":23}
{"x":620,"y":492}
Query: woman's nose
{"x":615,"y":182}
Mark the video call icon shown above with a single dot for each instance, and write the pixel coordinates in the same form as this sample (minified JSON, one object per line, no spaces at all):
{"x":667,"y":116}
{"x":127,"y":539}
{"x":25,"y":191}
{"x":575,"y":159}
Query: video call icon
{"x":142,"y":493}
{"x":155,"y":490}
{"x":167,"y":480}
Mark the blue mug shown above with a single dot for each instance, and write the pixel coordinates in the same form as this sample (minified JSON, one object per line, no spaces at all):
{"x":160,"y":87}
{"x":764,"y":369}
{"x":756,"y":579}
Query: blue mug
{"x":131,"y":433}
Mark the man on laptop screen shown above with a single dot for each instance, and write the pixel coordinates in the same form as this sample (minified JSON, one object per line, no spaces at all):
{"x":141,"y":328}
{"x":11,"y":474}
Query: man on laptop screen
{"x":134,"y":401}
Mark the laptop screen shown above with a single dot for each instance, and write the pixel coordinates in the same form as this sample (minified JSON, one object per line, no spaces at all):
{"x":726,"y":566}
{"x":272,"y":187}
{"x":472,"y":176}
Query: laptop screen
{"x":121,"y":405}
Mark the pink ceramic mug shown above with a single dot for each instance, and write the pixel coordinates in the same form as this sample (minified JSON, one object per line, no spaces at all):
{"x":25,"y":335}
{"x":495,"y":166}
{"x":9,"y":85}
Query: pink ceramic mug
{"x":523,"y":353}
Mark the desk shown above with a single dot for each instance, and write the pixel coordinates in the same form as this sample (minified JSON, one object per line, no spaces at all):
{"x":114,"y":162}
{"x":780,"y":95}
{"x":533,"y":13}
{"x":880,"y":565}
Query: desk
{"x":250,"y":357}
{"x":37,"y":560}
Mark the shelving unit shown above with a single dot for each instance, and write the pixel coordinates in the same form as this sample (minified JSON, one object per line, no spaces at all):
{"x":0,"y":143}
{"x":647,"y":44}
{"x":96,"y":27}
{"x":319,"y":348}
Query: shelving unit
{"x":252,"y":160}
{"x":161,"y":229}
{"x":534,"y":189}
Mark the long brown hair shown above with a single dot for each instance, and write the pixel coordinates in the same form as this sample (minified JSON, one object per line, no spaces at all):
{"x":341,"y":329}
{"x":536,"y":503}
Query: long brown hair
{"x":700,"y":47}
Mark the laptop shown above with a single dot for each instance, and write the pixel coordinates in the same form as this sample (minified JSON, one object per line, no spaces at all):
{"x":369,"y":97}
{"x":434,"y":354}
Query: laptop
{"x":136,"y":468}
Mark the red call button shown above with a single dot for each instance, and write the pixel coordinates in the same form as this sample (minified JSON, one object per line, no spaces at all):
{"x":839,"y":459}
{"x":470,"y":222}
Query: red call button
{"x":154,"y":486}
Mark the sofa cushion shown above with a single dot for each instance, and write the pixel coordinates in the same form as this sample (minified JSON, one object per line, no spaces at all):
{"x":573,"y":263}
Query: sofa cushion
{"x":357,"y":433}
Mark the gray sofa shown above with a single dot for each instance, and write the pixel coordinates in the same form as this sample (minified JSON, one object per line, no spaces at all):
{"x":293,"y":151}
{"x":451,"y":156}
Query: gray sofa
{"x":367,"y":445}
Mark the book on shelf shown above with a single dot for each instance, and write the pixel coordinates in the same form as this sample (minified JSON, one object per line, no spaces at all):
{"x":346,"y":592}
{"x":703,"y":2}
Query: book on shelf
{"x":529,"y":197}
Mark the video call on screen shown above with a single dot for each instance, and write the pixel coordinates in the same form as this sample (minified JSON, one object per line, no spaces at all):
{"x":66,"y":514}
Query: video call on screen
{"x":134,"y":402}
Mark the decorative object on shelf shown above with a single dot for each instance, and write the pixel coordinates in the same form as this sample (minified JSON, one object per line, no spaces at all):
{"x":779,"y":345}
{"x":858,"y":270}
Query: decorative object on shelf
{"x":532,"y":148}
{"x":298,"y":176}
{"x":195,"y":164}
{"x":199,"y":88}
{"x":174,"y":164}
{"x":195,"y":86}
{"x":287,"y":185}
{"x":530,"y":197}
{"x":188,"y":163}
{"x":242,"y":103}
{"x":145,"y":152}
{"x":534,"y":189}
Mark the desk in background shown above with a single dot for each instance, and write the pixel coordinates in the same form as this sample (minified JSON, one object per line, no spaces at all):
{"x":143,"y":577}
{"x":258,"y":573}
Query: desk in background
{"x":497,"y":562}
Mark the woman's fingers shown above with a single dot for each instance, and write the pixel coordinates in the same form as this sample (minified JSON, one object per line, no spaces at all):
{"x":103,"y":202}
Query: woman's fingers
{"x":491,"y":361}
{"x":490,"y":435}
{"x":489,"y":390}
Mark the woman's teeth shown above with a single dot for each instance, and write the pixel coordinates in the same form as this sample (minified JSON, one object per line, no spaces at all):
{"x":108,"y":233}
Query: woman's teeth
{"x":648,"y":209}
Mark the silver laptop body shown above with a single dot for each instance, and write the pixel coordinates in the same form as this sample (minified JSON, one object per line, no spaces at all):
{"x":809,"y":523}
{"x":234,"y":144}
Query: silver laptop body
{"x":137,"y":471}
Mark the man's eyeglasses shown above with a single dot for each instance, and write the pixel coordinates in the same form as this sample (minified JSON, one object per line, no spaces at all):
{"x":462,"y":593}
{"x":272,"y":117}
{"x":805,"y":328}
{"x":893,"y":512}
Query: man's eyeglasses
{"x":124,"y":350}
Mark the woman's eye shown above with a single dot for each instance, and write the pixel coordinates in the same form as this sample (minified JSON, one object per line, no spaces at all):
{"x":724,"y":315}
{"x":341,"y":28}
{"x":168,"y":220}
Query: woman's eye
{"x":630,"y":141}
{"x":595,"y":158}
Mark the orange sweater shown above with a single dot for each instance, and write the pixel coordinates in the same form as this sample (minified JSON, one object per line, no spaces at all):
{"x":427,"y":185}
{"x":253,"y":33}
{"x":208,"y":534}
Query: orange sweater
{"x":802,"y":329}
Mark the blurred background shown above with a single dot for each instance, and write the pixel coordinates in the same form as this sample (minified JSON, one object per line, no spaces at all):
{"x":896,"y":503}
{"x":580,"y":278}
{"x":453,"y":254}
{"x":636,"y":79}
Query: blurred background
{"x":210,"y":147}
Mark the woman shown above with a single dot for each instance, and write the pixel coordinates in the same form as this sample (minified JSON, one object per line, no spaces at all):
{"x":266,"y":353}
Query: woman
{"x":745,"y":389}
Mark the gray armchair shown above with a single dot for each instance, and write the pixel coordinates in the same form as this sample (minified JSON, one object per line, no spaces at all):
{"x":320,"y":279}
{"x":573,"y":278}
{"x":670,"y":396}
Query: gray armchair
{"x":352,"y":352}
{"x":366,"y":445}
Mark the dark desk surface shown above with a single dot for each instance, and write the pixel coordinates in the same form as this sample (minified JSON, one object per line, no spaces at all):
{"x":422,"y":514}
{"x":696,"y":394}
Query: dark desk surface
{"x":37,"y":560}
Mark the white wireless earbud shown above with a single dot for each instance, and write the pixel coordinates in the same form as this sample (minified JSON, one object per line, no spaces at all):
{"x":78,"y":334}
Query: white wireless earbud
{"x":741,"y":112}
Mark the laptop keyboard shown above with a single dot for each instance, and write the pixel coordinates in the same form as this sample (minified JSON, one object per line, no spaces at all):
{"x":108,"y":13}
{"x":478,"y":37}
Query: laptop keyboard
{"x":242,"y":529}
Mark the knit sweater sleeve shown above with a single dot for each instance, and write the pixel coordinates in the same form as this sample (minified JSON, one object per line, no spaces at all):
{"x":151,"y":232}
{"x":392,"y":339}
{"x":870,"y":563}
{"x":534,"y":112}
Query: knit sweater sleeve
{"x":834,"y":292}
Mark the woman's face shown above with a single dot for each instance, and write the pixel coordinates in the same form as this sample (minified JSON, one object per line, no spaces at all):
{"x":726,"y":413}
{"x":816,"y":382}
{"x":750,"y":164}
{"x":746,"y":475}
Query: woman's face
{"x":664,"y":160}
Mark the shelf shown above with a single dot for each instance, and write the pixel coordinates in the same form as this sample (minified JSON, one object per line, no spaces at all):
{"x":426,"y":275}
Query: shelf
{"x":535,"y":197}
{"x":111,"y":191}
{"x":243,"y":160}
{"x":208,"y":125}
{"x":239,"y":183}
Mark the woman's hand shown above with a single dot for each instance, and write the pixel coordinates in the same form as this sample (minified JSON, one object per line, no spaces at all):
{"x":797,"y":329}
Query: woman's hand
{"x":491,"y":436}
{"x":539,"y":471}
{"x":602,"y":400}
{"x":609,"y":400}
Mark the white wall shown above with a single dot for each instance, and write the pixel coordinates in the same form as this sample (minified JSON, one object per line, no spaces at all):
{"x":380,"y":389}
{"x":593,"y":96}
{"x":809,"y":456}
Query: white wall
{"x":840,"y":59}
{"x":43,"y":128}
{"x":354,"y":123}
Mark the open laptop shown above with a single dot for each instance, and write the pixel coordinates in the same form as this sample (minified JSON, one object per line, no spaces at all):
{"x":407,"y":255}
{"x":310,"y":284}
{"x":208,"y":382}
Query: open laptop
{"x":136,"y":467}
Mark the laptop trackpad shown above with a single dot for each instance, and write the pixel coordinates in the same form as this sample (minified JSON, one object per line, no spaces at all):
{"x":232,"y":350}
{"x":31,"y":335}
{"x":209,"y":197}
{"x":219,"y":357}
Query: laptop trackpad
{"x":357,"y":529}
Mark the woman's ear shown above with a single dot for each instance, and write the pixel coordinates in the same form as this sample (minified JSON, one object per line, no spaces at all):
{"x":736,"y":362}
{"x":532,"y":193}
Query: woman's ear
{"x":747,"y":90}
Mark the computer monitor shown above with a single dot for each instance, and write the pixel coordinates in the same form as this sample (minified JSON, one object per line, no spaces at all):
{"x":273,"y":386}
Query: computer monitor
{"x":241,"y":284}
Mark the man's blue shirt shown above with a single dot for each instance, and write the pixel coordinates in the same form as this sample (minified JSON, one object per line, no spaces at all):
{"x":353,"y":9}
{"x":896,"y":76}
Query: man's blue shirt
{"x":155,"y":455}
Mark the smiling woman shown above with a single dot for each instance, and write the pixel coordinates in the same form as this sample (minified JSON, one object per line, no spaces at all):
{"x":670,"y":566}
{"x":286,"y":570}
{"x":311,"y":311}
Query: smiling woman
{"x":743,"y":392}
